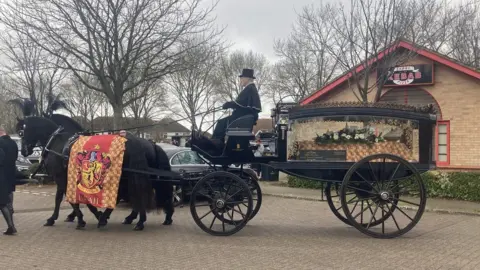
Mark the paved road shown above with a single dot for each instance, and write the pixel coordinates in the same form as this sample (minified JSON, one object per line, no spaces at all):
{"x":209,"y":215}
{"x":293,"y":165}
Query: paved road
{"x":286,"y":234}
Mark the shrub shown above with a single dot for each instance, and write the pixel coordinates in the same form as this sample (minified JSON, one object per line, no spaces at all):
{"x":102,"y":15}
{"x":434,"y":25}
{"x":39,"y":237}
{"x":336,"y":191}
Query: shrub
{"x":451,"y":185}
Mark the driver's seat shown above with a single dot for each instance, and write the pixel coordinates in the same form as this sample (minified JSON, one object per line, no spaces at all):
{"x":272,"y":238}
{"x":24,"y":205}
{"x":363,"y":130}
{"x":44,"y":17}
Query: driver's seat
{"x":241,"y":127}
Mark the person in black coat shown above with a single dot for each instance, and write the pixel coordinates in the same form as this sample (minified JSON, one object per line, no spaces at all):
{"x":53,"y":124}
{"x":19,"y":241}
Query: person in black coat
{"x":5,"y":187}
{"x":10,"y":148}
{"x":247,"y":103}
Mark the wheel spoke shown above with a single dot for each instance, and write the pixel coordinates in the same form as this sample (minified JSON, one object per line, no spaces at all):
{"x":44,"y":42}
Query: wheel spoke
{"x":211,"y":210}
{"x":363,"y":178}
{"x":355,"y":206}
{"x":364,"y":190}
{"x":383,"y":221}
{"x":213,"y":221}
{"x":393,"y":217}
{"x":338,"y":195}
{"x":231,"y":218}
{"x":361,"y":213}
{"x":223,"y":222}
{"x":202,"y":205}
{"x":371,"y":212}
{"x":399,"y":209}
{"x":205,"y":195}
{"x":373,"y":216}
{"x":240,"y":212}
{"x":405,"y":201}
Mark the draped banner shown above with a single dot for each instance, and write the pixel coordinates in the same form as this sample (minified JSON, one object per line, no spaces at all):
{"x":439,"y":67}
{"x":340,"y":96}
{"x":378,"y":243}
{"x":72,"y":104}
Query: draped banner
{"x":94,"y":170}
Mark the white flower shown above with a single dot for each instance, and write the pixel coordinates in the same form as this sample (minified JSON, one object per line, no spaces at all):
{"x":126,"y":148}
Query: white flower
{"x":361,"y":136}
{"x":343,"y":135}
{"x":348,"y":137}
{"x":335,"y":136}
{"x":376,"y":139}
{"x":356,"y":137}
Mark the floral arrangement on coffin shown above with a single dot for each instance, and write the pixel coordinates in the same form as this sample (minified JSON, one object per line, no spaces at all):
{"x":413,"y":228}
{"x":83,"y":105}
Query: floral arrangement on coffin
{"x":346,"y":136}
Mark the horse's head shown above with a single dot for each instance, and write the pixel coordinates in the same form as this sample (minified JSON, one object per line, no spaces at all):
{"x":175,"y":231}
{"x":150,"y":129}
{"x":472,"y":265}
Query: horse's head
{"x":34,"y":131}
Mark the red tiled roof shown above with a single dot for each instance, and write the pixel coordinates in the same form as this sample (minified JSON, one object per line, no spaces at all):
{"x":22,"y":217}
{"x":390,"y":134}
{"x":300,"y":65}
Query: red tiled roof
{"x":437,"y":57}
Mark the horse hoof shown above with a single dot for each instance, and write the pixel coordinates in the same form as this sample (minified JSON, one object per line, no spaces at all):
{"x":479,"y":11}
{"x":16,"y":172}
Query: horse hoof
{"x":168,"y":222}
{"x":70,"y":219}
{"x":139,"y":227}
{"x":127,"y":221}
{"x":101,"y":225}
{"x":81,"y":225}
{"x":49,"y":223}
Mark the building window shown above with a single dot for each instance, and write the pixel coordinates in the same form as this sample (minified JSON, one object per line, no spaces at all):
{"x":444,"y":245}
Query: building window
{"x":443,"y":142}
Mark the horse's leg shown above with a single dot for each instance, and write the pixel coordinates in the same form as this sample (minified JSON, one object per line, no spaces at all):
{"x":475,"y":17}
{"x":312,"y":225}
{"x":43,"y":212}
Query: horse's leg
{"x":140,"y":224}
{"x":56,"y":211}
{"x":130,"y":218}
{"x":95,"y":211}
{"x":80,"y":222}
{"x":71,"y":216}
{"x":103,"y":221}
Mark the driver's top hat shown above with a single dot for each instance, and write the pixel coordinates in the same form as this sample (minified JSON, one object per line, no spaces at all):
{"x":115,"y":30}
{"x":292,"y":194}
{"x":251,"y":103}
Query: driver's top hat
{"x":246,"y":72}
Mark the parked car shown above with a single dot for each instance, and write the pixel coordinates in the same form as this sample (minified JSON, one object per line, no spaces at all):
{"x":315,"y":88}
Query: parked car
{"x":37,"y":151}
{"x":23,"y":164}
{"x":192,"y":167}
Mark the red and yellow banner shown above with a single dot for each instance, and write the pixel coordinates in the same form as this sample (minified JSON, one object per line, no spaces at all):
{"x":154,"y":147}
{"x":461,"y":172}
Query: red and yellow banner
{"x":94,"y":170}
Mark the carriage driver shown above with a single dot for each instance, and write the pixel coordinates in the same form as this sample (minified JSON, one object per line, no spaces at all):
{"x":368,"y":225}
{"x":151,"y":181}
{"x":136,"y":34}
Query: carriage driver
{"x":247,"y":103}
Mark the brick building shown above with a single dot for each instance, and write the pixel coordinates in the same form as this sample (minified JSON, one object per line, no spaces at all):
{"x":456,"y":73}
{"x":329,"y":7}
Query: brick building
{"x":428,"y":78}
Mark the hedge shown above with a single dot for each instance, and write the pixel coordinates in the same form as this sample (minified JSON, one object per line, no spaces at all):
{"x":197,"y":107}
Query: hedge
{"x":450,"y":185}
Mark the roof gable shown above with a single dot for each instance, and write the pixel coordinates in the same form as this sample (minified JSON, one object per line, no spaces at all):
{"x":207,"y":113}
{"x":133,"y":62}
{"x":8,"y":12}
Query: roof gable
{"x":434,"y":56}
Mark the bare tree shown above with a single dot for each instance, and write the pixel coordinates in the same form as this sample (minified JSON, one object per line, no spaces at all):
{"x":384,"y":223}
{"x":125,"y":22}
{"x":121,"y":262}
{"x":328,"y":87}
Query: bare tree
{"x":8,"y":111}
{"x":231,"y":65}
{"x":86,"y":103}
{"x":365,"y":37}
{"x":193,"y":89}
{"x":465,"y":41}
{"x":112,"y":39}
{"x":148,"y":100}
{"x":305,"y":65}
{"x":28,"y":70}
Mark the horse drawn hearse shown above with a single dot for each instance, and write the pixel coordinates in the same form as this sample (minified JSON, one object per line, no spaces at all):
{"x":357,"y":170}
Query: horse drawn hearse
{"x":371,"y":157}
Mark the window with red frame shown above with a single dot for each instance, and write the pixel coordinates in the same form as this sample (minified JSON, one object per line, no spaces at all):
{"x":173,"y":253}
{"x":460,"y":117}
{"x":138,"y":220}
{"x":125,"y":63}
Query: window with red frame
{"x":443,"y":142}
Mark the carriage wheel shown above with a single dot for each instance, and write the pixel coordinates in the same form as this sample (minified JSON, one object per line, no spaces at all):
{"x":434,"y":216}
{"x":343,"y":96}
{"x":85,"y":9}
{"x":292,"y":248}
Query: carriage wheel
{"x":257,"y":203}
{"x":226,"y":195}
{"x":334,"y":202}
{"x":382,"y":182}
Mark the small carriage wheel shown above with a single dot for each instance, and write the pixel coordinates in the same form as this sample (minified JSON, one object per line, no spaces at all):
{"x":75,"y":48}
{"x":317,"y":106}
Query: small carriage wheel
{"x":227,"y":195}
{"x":381,"y":186}
{"x":338,"y":210}
{"x":257,"y":202}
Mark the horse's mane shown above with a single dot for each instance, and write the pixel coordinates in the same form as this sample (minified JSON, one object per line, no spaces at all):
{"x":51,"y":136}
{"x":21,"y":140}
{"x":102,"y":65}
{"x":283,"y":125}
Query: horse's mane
{"x":65,"y":121}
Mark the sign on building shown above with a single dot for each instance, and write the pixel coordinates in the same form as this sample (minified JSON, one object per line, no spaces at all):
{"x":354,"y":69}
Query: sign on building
{"x":408,"y":75}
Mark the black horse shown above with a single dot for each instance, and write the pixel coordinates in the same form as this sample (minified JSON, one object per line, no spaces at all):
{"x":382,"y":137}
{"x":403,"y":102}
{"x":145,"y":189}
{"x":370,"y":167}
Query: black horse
{"x":136,"y":188}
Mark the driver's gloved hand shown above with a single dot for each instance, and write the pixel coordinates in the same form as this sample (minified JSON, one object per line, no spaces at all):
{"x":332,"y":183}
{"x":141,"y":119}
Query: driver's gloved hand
{"x":228,"y":105}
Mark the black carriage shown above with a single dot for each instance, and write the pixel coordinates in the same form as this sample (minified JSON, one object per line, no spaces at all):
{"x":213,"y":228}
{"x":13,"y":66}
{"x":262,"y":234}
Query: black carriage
{"x":376,"y":179}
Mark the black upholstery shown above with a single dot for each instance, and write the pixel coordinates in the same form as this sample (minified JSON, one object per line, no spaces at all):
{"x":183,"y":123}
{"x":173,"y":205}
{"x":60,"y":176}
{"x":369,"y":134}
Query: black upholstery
{"x":244,"y":123}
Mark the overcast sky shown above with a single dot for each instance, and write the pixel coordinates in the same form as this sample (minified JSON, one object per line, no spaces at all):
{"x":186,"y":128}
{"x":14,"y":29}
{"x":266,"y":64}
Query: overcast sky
{"x":254,"y":24}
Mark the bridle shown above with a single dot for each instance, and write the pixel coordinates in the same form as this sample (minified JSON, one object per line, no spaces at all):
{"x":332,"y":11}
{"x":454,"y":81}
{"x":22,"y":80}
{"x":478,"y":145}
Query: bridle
{"x":46,"y":149}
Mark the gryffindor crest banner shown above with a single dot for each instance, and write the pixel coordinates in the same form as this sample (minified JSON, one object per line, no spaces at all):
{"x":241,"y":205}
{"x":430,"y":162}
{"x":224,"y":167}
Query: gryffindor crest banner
{"x":94,"y":170}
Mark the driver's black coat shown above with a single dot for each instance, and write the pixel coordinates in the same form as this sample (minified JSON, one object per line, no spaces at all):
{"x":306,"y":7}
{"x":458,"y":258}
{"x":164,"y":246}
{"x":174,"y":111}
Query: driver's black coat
{"x":247,"y":103}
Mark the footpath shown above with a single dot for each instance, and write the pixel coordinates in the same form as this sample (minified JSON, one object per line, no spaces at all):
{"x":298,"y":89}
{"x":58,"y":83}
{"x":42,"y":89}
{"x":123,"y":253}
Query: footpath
{"x":279,"y":189}
{"x":35,"y":198}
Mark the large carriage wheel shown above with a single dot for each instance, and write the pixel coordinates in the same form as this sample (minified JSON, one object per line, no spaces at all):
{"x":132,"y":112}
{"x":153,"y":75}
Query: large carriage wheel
{"x":257,"y":202}
{"x":334,"y":195}
{"x":224,"y":195}
{"x":383,"y":183}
